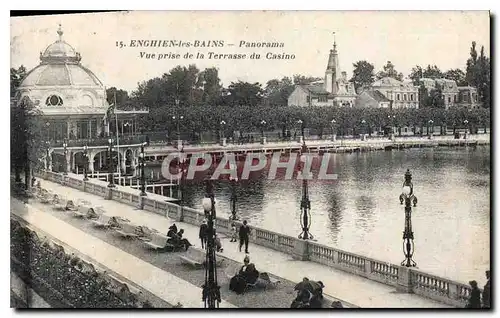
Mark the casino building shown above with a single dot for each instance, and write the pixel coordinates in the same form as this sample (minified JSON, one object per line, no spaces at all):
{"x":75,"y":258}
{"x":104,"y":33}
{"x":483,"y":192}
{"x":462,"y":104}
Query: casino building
{"x":72,"y":101}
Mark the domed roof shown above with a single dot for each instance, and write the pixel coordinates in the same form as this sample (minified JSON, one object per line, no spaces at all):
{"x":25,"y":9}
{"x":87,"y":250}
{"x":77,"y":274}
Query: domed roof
{"x":60,"y":75}
{"x":60,"y":66}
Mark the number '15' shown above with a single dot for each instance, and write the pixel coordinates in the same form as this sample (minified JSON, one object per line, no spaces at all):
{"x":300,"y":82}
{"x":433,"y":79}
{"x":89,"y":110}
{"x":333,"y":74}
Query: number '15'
{"x":119,"y":44}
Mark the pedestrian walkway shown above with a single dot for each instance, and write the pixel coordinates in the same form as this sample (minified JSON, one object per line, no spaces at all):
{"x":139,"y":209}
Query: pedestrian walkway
{"x":158,"y":282}
{"x":347,"y":287}
{"x":25,"y":293}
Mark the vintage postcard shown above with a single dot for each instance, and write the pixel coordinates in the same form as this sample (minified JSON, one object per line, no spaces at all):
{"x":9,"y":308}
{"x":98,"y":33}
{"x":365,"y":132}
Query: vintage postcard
{"x":251,"y":159}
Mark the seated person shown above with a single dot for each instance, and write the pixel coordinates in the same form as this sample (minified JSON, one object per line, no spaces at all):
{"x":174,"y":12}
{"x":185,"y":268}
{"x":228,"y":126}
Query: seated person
{"x":177,"y":240}
{"x":172,"y":230}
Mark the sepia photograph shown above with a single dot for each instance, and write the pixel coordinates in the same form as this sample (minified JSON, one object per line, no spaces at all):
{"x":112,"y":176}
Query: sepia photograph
{"x":250,"y":159}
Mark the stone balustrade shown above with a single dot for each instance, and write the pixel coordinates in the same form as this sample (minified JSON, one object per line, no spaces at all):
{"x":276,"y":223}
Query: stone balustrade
{"x":403,"y":278}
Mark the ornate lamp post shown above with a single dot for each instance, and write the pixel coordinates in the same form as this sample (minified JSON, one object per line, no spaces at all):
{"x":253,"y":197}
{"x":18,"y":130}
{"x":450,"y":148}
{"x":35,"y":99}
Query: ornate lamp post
{"x":466,"y":123}
{"x":48,"y":159}
{"x":391,"y":118}
{"x":222,"y":128}
{"x":430,"y":129}
{"x":262,"y":125}
{"x":333,"y":122}
{"x":300,"y":123}
{"x":65,"y":146}
{"x":233,"y":198}
{"x":142,"y":163}
{"x":211,"y":290}
{"x":178,"y":119}
{"x":86,"y":164}
{"x":111,"y":175}
{"x":407,"y":197}
{"x":305,"y":203}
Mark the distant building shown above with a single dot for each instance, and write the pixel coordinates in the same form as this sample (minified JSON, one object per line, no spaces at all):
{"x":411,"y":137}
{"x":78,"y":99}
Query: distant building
{"x":372,"y":99}
{"x":335,"y":90}
{"x":401,"y":94}
{"x":453,"y":95}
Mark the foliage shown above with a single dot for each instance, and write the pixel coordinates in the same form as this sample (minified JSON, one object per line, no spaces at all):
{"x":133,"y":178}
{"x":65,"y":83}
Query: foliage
{"x":122,"y":100}
{"x":390,"y":71}
{"x":244,"y":93}
{"x":16,"y":77}
{"x":27,"y":146}
{"x":277,"y":91}
{"x":478,"y":74}
{"x":457,"y":75}
{"x":363,"y":75}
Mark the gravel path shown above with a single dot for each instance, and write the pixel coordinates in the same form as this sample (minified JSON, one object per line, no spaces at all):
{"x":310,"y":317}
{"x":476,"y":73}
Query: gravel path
{"x":279,"y":297}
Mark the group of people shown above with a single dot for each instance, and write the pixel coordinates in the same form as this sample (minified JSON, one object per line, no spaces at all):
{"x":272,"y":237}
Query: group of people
{"x":475,"y":300}
{"x":309,"y":294}
{"x":248,"y":276}
{"x":175,"y":238}
{"x":243,"y":233}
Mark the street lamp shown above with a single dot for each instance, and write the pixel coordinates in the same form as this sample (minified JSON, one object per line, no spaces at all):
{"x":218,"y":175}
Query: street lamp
{"x":111,"y":176}
{"x":262,"y":125}
{"x":466,"y":122}
{"x":333,"y":122}
{"x":222,"y":128}
{"x":408,"y":197}
{"x":211,"y":290}
{"x":65,"y":146}
{"x":86,"y":163}
{"x":305,"y":203}
{"x":233,"y":198}
{"x":430,"y":127}
{"x":391,"y":118}
{"x":178,"y":118}
{"x":48,"y":159}
{"x":142,"y":163}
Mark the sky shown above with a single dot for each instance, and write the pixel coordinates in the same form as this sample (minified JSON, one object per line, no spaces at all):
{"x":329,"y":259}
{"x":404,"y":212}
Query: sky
{"x":406,"y":38}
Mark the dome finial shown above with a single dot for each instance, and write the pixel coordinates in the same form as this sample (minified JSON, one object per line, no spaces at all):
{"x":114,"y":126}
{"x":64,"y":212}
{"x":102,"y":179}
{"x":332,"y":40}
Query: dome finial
{"x":60,"y":32}
{"x":334,"y":42}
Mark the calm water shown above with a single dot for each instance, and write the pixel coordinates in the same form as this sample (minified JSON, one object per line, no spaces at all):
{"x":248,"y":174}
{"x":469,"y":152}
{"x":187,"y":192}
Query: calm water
{"x":361,"y":213}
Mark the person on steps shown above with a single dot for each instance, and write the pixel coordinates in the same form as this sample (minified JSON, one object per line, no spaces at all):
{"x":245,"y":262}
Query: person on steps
{"x":203,"y":233}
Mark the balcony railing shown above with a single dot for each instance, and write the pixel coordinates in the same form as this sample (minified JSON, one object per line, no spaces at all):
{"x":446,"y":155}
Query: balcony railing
{"x":123,"y":140}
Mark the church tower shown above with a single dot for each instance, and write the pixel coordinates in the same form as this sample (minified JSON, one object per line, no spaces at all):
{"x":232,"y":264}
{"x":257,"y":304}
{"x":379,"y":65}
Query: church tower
{"x":332,"y":73}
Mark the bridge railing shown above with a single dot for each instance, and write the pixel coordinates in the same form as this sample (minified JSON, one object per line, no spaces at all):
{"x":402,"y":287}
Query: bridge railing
{"x":409,"y":279}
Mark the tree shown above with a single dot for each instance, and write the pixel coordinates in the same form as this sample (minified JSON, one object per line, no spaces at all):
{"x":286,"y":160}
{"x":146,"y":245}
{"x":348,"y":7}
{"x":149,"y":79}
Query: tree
{"x":277,"y":91}
{"x":435,"y":98}
{"x":432,"y":72}
{"x":16,"y":77}
{"x":244,"y":93}
{"x":416,"y":74}
{"x":27,"y":146}
{"x":210,"y":83}
{"x":122,"y":99}
{"x":457,"y":75}
{"x":390,"y":71}
{"x":478,"y":74}
{"x":363,"y":75}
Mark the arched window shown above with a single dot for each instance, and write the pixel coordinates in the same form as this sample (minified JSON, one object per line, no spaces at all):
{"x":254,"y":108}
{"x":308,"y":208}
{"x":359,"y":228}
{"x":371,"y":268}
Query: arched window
{"x":54,"y":100}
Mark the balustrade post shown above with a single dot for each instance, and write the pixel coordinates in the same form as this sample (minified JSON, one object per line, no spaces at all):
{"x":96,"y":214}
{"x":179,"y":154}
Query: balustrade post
{"x":454,"y":291}
{"x":179,"y":216}
{"x":301,"y":250}
{"x":404,"y":280}
{"x":141,"y":203}
{"x":335,"y":257}
{"x":109,"y":194}
{"x":368,"y":266}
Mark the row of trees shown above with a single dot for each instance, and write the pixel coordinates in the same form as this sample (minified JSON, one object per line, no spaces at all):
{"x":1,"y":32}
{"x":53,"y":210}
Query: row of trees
{"x":248,"y":119}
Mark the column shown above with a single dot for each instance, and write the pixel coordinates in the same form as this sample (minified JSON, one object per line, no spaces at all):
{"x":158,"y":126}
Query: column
{"x":90,"y":167}
{"x":68,"y":128}
{"x":69,"y":155}
{"x":99,"y":126}
{"x":50,"y":161}
{"x":123,"y":167}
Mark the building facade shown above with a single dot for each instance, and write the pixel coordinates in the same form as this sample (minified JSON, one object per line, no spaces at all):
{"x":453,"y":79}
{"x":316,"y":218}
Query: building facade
{"x":401,"y":94}
{"x":453,"y":95}
{"x":335,"y":90}
{"x":72,"y":103}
